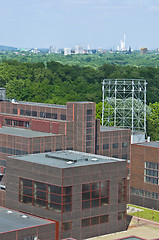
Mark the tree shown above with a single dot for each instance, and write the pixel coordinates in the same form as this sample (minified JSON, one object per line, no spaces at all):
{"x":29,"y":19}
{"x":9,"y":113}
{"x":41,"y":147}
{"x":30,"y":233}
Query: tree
{"x":153,"y":121}
{"x":99,"y":107}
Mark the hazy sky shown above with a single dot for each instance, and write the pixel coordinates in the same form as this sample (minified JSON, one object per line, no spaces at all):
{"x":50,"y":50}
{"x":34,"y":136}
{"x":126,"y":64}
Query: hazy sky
{"x":65,"y":23}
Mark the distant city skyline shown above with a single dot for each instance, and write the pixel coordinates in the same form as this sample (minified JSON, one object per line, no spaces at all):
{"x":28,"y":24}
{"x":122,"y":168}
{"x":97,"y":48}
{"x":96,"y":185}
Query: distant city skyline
{"x":66,"y":23}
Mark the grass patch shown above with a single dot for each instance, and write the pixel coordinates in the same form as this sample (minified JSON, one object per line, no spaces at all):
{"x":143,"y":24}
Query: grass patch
{"x":146,"y":213}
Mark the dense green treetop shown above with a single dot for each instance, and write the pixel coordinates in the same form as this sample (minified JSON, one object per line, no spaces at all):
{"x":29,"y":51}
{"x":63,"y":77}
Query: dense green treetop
{"x":54,"y":82}
{"x":153,"y":121}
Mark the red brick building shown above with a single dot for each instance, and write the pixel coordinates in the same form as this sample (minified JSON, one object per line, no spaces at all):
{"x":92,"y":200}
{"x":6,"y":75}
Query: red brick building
{"x":84,"y":193}
{"x":28,"y":128}
{"x":144,"y":175}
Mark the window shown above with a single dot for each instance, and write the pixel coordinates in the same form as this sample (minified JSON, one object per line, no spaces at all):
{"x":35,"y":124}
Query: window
{"x":88,"y":143}
{"x":124,"y":156}
{"x":86,"y":222}
{"x":88,"y":150}
{"x":105,"y":146}
{"x":95,"y":194}
{"x":95,"y":220}
{"x":22,"y":112}
{"x":103,"y":218}
{"x":89,"y":124}
{"x":88,"y":137}
{"x":154,"y":195}
{"x":42,"y":114}
{"x":63,"y":117}
{"x":8,"y":122}
{"x":138,"y":192}
{"x":26,"y":124}
{"x":89,"y":118}
{"x":12,"y":151}
{"x":121,"y":215}
{"x":122,"y":190}
{"x":28,"y":112}
{"x":48,"y":115}
{"x":146,"y":194}
{"x":45,"y":195}
{"x":15,"y":111}
{"x":54,"y":116}
{"x":97,"y":147}
{"x":124,"y":144}
{"x":16,"y":123}
{"x":89,"y":131}
{"x":34,"y":113}
{"x":151,"y":173}
{"x":89,"y":112}
{"x":67,"y":226}
{"x":115,"y":145}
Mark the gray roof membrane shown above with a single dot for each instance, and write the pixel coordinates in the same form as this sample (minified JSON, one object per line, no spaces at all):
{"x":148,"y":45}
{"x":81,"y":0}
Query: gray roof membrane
{"x":11,"y":220}
{"x":21,"y":132}
{"x":107,"y":129}
{"x":42,"y":104}
{"x":67,"y":159}
{"x":150,"y":144}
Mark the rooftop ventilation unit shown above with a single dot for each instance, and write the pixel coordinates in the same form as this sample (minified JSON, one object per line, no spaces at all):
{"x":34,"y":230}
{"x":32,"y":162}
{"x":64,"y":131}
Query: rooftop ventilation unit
{"x":9,"y":212}
{"x":69,"y":162}
{"x":60,"y":158}
{"x":94,"y":159}
{"x":24,"y":216}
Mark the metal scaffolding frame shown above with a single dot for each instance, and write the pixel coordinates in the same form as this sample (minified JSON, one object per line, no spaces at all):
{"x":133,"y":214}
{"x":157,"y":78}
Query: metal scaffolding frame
{"x":124,"y":104}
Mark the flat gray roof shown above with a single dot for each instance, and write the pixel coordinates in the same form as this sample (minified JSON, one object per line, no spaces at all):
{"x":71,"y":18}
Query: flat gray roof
{"x":107,"y":129}
{"x":67,"y":159}
{"x":150,"y":144}
{"x":23,"y":132}
{"x":41,"y":104}
{"x":11,"y":220}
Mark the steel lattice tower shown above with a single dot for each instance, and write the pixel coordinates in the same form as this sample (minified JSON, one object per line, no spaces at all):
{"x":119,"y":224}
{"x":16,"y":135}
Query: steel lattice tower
{"x":124,"y":104}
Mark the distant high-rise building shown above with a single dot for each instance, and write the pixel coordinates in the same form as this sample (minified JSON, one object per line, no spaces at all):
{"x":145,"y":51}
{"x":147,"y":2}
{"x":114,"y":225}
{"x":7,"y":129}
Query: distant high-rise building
{"x":52,"y":49}
{"x":130,"y":50}
{"x":79,"y":49}
{"x":143,"y":50}
{"x":123,"y":43}
{"x":67,"y":51}
{"x":35,"y":51}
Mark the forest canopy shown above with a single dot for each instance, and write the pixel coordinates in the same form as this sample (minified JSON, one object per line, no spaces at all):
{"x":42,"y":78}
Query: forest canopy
{"x":56,"y":83}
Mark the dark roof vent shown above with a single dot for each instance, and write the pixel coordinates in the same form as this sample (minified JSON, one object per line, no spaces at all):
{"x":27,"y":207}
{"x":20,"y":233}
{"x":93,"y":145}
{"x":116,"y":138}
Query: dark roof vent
{"x":2,"y":187}
{"x":60,"y":158}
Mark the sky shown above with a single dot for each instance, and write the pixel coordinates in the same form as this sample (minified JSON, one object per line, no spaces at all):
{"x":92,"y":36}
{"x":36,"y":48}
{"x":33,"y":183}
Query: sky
{"x":66,"y":23}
